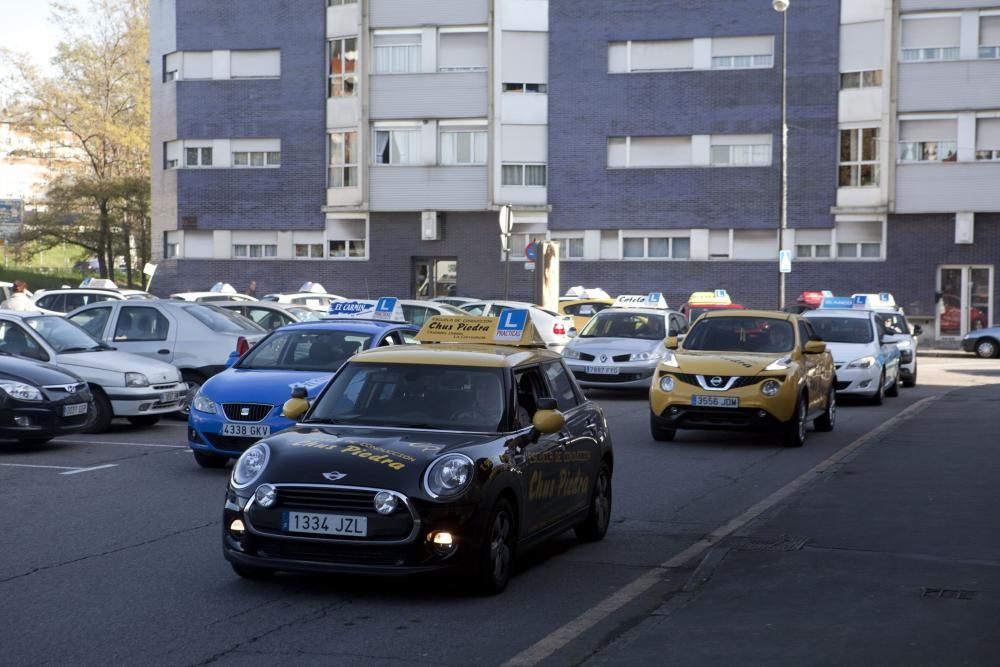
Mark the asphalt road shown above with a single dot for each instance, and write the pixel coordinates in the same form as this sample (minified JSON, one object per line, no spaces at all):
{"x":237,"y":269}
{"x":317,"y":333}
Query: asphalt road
{"x":110,"y":553}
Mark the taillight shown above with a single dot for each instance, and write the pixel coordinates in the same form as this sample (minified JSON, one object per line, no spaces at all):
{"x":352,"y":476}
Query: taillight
{"x":242,"y":345}
{"x":558,"y":329}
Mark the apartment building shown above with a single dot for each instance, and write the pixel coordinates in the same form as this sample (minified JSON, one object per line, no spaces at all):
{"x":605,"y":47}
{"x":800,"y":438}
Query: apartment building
{"x":369,"y":144}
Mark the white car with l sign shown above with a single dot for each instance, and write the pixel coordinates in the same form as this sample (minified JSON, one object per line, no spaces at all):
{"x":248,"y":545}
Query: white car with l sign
{"x":124,"y":385}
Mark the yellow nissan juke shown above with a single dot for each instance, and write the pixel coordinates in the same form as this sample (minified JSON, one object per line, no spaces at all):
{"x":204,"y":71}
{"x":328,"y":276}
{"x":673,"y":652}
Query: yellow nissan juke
{"x":745,"y":370}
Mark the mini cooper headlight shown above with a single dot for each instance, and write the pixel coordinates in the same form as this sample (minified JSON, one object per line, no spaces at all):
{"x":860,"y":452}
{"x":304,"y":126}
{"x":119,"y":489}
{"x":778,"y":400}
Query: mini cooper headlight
{"x":250,"y":465}
{"x":863,"y":362}
{"x":770,"y":388}
{"x":571,"y":354}
{"x":203,"y":404}
{"x":136,"y":380}
{"x":667,"y":383}
{"x":266,"y":495}
{"x":385,"y":502}
{"x":21,"y":391}
{"x":448,"y":476}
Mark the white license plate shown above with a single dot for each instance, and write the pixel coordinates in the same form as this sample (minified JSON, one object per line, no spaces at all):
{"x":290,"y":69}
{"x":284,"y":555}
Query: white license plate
{"x":247,"y":430}
{"x":603,"y":370}
{"x":715,"y":401}
{"x":325,"y":524}
{"x":74,"y":409}
{"x":170,"y":396}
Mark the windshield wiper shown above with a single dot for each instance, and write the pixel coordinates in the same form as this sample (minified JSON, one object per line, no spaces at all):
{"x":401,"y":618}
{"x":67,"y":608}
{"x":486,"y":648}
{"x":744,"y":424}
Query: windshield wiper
{"x":75,"y":349}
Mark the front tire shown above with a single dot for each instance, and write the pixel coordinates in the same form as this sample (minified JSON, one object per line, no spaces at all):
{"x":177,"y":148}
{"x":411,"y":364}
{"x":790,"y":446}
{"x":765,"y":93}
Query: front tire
{"x":893,"y":391}
{"x":987,"y":348}
{"x":911,"y":381}
{"x":660,"y":432}
{"x":193,"y":381}
{"x":206,"y":460}
{"x":595,"y":526}
{"x":826,"y":421}
{"x":496,"y":555}
{"x":878,"y":398}
{"x":102,"y":412}
{"x":795,"y":430}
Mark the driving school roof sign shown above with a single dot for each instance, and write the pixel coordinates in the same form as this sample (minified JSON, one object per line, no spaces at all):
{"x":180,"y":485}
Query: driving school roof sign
{"x":512,"y":328}
{"x":651,"y":300}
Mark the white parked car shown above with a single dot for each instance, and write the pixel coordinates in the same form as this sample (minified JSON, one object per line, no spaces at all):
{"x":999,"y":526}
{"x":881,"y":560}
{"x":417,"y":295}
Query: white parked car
{"x":865,"y":361}
{"x":552,"y":327}
{"x":65,"y":299}
{"x":904,"y":335}
{"x":218,"y":292}
{"x":620,"y":347}
{"x":197,"y":338}
{"x":123,"y":385}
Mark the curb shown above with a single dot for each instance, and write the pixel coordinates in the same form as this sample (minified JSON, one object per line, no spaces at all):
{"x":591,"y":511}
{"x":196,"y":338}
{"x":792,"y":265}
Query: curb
{"x":945,"y":354}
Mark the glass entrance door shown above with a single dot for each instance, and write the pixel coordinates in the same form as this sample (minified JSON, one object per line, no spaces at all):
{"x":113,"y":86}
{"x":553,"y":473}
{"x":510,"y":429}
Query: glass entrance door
{"x":434,"y":277}
{"x":965,"y":299}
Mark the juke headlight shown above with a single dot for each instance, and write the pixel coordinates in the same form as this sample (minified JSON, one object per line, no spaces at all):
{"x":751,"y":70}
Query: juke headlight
{"x":448,"y":476}
{"x":250,"y":465}
{"x":863,"y":362}
{"x":201,"y":403}
{"x":667,"y":383}
{"x":770,"y":388}
{"x":670,"y":359}
{"x":21,"y":391}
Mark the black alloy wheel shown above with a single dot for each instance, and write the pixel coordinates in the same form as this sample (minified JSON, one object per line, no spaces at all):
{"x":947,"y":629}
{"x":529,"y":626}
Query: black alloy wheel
{"x":878,"y":398}
{"x":101,"y":420}
{"x":496,"y":559}
{"x":595,"y":526}
{"x":660,"y":432}
{"x":826,"y":421}
{"x":795,"y":430}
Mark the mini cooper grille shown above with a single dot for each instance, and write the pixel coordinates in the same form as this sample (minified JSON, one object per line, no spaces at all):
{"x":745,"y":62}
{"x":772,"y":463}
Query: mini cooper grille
{"x":246,"y":412}
{"x":318,"y":498}
{"x":331,"y":553}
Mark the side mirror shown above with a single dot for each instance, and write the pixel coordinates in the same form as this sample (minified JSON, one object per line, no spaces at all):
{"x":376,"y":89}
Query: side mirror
{"x":572,"y":333}
{"x":548,"y":421}
{"x":917,"y":330}
{"x":670,"y":342}
{"x":814,"y":347}
{"x":297,"y":405}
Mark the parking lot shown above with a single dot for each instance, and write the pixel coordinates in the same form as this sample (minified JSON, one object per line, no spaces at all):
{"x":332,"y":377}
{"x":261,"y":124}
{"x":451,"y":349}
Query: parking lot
{"x":112,"y":552}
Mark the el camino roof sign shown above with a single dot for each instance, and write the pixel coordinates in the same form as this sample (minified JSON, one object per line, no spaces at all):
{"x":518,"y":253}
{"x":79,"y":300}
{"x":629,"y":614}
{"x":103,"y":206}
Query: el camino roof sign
{"x":513,"y":327}
{"x":386,"y":309}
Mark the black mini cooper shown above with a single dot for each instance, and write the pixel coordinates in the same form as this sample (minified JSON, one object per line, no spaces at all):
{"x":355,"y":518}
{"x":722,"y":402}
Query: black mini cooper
{"x":418,"y":459}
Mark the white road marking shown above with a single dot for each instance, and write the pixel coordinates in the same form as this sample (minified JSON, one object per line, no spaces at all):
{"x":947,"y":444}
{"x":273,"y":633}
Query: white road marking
{"x":79,"y":470}
{"x":32,"y":465}
{"x":118,"y":442}
{"x":560,"y":637}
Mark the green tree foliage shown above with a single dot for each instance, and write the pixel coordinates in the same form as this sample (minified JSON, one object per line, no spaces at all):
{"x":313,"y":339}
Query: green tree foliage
{"x":91,"y":117}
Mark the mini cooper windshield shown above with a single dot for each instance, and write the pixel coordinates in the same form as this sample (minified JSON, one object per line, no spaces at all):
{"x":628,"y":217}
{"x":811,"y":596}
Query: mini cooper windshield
{"x":617,"y":324}
{"x":450,"y":398}
{"x":304,"y":350}
{"x":843,"y":329}
{"x":741,"y":334}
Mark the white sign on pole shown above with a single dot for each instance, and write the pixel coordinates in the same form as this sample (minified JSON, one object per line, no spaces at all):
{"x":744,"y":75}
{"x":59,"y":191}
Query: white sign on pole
{"x":149,"y":269}
{"x":506,"y":221}
{"x":785,"y":261}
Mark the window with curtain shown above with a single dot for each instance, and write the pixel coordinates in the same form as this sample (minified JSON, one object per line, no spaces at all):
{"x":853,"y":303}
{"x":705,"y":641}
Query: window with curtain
{"x":395,"y":53}
{"x":343,"y":160}
{"x":859,"y":157}
{"x":394,"y":146}
{"x":343,"y":57}
{"x":988,"y":138}
{"x":524,"y":174}
{"x":465,"y":146}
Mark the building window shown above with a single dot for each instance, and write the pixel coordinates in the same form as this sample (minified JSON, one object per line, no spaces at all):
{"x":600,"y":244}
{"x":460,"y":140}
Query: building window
{"x":739,"y":155}
{"x":650,"y":56}
{"x":742,"y":62}
{"x":648,"y":152}
{"x":928,"y":151}
{"x":859,"y":250}
{"x":308,"y":251}
{"x":988,"y":138}
{"x":171,"y":66}
{"x":347,"y":248}
{"x":336,"y":3}
{"x":465,"y":147}
{"x":532,"y":175}
{"x":170,"y":250}
{"x":256,"y":159}
{"x":465,"y":51}
{"x":570,"y":248}
{"x":395,"y":53}
{"x":397,"y":146}
{"x":254,"y":250}
{"x":343,"y":57}
{"x":930,"y":54}
{"x":656,"y":247}
{"x":197,"y":157}
{"x":988,"y":155}
{"x":343,"y":160}
{"x":859,"y":156}
{"x":871,"y":78}
{"x":812,"y":251}
{"x":519,"y":242}
{"x":525,"y":88}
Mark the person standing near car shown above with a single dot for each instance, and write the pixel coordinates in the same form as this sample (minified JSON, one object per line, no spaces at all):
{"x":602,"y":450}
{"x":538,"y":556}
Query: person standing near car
{"x":252,"y":290}
{"x":19,"y":299}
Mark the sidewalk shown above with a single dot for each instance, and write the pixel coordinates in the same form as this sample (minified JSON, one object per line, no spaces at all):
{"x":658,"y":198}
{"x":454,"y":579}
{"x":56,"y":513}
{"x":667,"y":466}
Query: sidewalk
{"x":892,"y":559}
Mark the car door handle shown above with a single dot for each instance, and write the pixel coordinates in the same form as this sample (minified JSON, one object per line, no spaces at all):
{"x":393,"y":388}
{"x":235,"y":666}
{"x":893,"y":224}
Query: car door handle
{"x":565,"y":440}
{"x":163,"y":351}
{"x":590,"y":425}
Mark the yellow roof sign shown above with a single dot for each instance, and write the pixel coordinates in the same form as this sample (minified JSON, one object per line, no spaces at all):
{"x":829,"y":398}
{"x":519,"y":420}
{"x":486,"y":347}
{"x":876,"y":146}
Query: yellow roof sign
{"x":513,"y":327}
{"x":719,"y":296}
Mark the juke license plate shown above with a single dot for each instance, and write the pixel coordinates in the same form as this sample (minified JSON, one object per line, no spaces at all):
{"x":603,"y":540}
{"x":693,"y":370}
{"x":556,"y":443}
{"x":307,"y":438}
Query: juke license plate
{"x":74,"y":409}
{"x":603,"y":370}
{"x":324,"y":524}
{"x":247,"y":430}
{"x":715,"y":401}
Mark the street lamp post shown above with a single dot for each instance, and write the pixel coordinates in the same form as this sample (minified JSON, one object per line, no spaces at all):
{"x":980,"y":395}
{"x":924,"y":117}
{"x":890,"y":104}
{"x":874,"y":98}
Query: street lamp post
{"x":781,"y":6}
